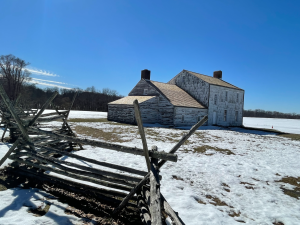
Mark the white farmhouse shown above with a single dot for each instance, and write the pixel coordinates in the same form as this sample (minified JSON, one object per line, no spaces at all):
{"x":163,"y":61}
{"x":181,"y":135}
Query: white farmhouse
{"x":182,"y":101}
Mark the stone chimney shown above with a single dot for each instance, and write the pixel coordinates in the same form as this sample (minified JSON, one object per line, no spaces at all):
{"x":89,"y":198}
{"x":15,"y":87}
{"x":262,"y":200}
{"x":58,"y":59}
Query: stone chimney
{"x":145,"y":74}
{"x":218,"y":74}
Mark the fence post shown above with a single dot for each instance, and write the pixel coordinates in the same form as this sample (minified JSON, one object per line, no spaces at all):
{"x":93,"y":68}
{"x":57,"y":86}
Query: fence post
{"x":141,"y":130}
{"x":155,"y":200}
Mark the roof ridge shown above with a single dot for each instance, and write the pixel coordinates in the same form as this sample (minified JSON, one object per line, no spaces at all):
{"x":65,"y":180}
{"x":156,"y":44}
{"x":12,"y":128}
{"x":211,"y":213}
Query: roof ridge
{"x":215,"y":78}
{"x":162,"y":82}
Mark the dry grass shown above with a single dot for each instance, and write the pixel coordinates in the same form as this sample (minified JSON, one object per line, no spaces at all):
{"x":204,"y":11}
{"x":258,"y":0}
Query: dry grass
{"x":247,"y":185}
{"x":226,"y":187}
{"x":217,"y":202}
{"x":295,"y":181}
{"x":202,"y":150}
{"x":109,"y":136}
{"x":40,"y":211}
{"x":98,"y":120}
{"x":294,"y":137}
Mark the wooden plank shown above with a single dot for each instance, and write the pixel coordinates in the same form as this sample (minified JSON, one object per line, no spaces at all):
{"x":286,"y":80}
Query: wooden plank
{"x":120,"y":148}
{"x":42,"y":109}
{"x":139,"y":121}
{"x":50,"y":161}
{"x":109,"y":165}
{"x":75,"y":176}
{"x":10,"y":107}
{"x":67,"y":116}
{"x":53,"y":113}
{"x":176,"y":220}
{"x":155,"y":201}
{"x":144,"y":212}
{"x":47,"y":159}
{"x":184,"y":138}
{"x":68,"y":184}
{"x":4,"y":133}
{"x":8,"y":153}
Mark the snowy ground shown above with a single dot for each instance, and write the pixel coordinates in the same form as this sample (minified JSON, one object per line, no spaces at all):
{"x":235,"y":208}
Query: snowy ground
{"x":221,"y":177}
{"x":284,"y":125}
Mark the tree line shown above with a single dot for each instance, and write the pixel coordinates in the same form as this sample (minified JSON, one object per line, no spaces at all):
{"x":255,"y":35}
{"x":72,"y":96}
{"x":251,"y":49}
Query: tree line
{"x":34,"y":97}
{"x":270,"y":114}
{"x":14,"y":77}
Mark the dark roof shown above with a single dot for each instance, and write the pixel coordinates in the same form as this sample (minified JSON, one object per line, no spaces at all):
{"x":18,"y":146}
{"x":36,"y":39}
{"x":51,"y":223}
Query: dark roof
{"x":176,"y":95}
{"x":208,"y":79}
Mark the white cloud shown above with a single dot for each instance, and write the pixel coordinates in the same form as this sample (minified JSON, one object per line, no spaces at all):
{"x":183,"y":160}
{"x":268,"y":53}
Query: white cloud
{"x":50,"y":81}
{"x":41,"y":72}
{"x":48,"y":84}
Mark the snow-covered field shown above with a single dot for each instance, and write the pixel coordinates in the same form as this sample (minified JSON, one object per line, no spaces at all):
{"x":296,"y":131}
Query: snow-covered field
{"x":221,"y":177}
{"x":284,"y":125}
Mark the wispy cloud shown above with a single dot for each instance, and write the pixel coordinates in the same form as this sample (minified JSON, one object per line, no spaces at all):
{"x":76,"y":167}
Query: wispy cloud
{"x":48,"y":83}
{"x":41,"y":72}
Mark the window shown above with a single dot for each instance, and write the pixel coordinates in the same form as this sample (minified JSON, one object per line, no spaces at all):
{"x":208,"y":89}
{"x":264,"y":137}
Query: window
{"x":236,"y":116}
{"x":145,"y":91}
{"x":226,"y":94}
{"x":215,"y":100}
{"x":237,"y":97}
{"x":199,"y":118}
{"x":225,"y":115}
{"x":182,"y":118}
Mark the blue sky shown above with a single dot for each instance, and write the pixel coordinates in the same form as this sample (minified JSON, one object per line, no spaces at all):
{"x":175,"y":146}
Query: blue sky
{"x":107,"y":43}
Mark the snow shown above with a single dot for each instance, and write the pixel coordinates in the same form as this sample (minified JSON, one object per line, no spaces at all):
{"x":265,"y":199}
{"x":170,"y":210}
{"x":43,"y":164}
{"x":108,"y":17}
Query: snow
{"x":246,"y":181}
{"x":284,"y":125}
{"x":16,"y":202}
{"x":82,"y":114}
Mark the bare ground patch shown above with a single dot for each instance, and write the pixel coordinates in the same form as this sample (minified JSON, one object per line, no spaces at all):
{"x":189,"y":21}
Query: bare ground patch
{"x":109,"y":136}
{"x":295,"y":181}
{"x":217,"y":202}
{"x":203,"y":148}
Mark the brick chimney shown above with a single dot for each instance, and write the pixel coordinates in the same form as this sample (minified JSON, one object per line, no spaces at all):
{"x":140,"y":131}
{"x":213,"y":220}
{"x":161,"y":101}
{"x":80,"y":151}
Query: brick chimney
{"x":218,"y":74}
{"x":145,"y":74}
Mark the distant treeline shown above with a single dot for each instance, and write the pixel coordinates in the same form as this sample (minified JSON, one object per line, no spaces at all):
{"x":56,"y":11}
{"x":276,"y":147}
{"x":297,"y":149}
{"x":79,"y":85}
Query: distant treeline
{"x":89,"y":99}
{"x":270,"y":114}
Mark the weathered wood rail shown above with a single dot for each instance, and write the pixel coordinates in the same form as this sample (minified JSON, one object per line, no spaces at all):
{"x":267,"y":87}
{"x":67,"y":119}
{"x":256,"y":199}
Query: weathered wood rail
{"x":37,"y":151}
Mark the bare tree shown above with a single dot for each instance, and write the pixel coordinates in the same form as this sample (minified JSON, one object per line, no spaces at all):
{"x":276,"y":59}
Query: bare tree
{"x":13,"y":74}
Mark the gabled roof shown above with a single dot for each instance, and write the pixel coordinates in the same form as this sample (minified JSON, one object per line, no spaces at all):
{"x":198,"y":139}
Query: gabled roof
{"x":128,"y":100}
{"x":210,"y":80}
{"x":176,"y":95}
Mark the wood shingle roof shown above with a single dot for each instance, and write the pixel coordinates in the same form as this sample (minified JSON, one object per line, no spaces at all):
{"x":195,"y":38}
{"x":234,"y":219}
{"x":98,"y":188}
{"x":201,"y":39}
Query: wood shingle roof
{"x":128,"y":100}
{"x":176,"y":95}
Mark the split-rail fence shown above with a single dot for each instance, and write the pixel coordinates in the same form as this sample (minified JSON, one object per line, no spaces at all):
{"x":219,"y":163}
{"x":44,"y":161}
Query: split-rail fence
{"x":36,"y":151}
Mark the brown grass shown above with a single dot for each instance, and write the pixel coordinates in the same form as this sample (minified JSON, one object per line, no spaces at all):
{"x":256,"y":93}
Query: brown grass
{"x":247,"y":185}
{"x":40,"y":211}
{"x":294,"y":137}
{"x":217,"y":202}
{"x":96,"y":120}
{"x":202,"y":149}
{"x":109,"y":136}
{"x":295,"y":181}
